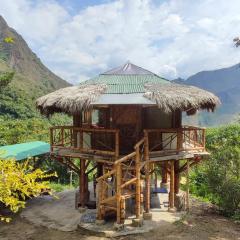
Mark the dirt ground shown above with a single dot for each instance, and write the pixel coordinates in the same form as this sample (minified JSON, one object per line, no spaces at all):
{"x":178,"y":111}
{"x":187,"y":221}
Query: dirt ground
{"x":201,"y":223}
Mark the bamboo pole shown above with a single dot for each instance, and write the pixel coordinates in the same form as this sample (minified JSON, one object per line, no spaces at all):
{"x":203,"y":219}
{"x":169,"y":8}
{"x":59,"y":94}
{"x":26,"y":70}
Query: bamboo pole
{"x":176,"y":176}
{"x":187,"y":186}
{"x":147,"y":175}
{"x":164,"y":173}
{"x":99,"y":212}
{"x":51,"y":139}
{"x":82,"y":182}
{"x":116,"y":145}
{"x":118,"y":191}
{"x":138,"y":183}
{"x":171,"y":194}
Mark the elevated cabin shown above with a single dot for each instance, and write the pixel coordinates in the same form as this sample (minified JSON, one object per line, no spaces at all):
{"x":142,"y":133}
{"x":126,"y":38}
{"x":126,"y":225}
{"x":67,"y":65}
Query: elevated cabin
{"x":127,"y":124}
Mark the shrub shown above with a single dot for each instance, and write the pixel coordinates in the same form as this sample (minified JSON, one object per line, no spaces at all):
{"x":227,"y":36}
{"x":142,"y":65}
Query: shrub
{"x":218,"y":178}
{"x":18,"y":181}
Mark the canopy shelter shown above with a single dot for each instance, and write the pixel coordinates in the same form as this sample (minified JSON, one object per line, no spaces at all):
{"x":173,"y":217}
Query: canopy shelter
{"x":24,"y":150}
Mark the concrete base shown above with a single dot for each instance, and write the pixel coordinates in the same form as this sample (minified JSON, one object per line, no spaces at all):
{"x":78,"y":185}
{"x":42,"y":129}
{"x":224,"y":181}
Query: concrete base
{"x":172,"y":210}
{"x":147,"y":216}
{"x":137,"y":222}
{"x":82,"y":209}
{"x":100,"y":222}
{"x":164,"y":185}
{"x":118,"y":227}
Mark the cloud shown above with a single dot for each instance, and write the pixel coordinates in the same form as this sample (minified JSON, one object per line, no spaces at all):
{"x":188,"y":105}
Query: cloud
{"x":172,"y":38}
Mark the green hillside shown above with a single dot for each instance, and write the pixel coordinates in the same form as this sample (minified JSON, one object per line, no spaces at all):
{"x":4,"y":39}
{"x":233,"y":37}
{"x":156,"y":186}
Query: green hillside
{"x":31,"y":79}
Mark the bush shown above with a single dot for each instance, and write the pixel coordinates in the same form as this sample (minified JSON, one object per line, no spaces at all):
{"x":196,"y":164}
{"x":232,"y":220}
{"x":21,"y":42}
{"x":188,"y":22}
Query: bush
{"x":18,"y":181}
{"x":218,"y":178}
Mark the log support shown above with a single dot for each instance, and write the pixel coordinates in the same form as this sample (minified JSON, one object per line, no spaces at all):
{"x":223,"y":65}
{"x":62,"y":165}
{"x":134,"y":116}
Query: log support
{"x":171,"y":193}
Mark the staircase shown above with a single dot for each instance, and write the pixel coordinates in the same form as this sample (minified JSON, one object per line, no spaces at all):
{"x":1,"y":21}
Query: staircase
{"x":120,"y":181}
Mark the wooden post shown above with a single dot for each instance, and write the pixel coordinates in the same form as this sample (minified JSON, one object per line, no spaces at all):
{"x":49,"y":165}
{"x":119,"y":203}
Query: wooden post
{"x":82,"y":182}
{"x":138,"y":184}
{"x":118,"y":191}
{"x":171,"y":194}
{"x":116,"y":144}
{"x":51,"y":139}
{"x":179,"y":139}
{"x":99,"y":210}
{"x":204,"y":138}
{"x":147,"y":174}
{"x":187,"y":186}
{"x":62,"y":135}
{"x":176,"y":177}
{"x":164,"y":174}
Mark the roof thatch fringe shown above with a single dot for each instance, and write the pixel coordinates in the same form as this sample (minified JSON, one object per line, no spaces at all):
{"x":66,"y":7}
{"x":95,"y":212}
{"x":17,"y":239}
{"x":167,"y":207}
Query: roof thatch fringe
{"x":171,"y":97}
{"x":70,"y":99}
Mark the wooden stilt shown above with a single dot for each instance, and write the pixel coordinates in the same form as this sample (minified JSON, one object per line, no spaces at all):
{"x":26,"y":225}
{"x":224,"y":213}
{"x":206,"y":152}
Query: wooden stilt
{"x":176,"y":177}
{"x":171,"y":194}
{"x":82,"y":182}
{"x":147,"y":173}
{"x":138,"y":184}
{"x":118,"y":192}
{"x":164,"y":173}
{"x":187,"y":186}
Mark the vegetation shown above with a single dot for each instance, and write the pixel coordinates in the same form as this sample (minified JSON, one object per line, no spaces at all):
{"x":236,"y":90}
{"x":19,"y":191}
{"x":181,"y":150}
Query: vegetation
{"x":19,"y":182}
{"x":218,"y":179}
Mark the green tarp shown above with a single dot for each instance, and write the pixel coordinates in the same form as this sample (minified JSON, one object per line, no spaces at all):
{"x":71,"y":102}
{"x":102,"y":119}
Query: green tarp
{"x":24,"y":150}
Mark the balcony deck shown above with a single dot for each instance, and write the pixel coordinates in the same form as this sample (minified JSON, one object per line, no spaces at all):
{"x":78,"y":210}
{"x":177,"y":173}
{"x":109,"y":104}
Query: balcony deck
{"x":100,"y":144}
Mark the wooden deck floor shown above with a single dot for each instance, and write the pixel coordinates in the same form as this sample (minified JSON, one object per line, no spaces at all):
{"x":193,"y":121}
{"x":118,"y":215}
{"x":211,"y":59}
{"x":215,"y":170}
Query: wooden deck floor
{"x":154,"y":156}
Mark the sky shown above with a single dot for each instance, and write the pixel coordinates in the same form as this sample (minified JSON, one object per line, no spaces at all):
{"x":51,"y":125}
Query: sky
{"x":79,"y":39}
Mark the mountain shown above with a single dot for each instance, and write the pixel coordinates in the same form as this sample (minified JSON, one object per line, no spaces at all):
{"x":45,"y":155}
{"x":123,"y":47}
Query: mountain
{"x":31,"y":79}
{"x":225,"y":83}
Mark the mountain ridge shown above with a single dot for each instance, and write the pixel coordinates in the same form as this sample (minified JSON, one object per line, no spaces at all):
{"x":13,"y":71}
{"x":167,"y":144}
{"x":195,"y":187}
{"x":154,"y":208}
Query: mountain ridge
{"x":31,"y":79}
{"x":225,"y":83}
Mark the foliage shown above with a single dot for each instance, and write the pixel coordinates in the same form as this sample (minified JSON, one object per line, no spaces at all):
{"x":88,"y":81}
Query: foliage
{"x":13,"y":131}
{"x":18,"y":181}
{"x":8,"y":40}
{"x":218,"y":178}
{"x":5,"y":79}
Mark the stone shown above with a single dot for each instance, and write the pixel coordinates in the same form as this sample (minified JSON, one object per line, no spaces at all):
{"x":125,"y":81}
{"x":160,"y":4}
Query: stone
{"x":118,"y":227}
{"x":147,"y":216}
{"x":164,"y":185}
{"x":172,"y":210}
{"x":100,"y":222}
{"x":137,"y":222}
{"x":179,"y":201}
{"x":82,"y":209}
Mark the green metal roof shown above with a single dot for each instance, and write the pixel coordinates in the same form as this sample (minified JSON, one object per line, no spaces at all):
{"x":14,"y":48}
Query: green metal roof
{"x":123,"y":84}
{"x":24,"y":150}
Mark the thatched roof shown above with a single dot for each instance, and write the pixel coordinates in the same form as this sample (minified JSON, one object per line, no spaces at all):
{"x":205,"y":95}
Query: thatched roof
{"x":70,"y":99}
{"x":166,"y":95}
{"x":171,"y":97}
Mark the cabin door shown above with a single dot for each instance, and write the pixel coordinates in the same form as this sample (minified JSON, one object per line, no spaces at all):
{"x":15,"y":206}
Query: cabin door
{"x":128,"y":119}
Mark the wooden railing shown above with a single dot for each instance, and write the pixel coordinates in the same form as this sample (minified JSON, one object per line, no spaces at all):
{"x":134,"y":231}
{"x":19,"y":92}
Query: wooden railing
{"x":86,"y":140}
{"x":187,"y":138}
